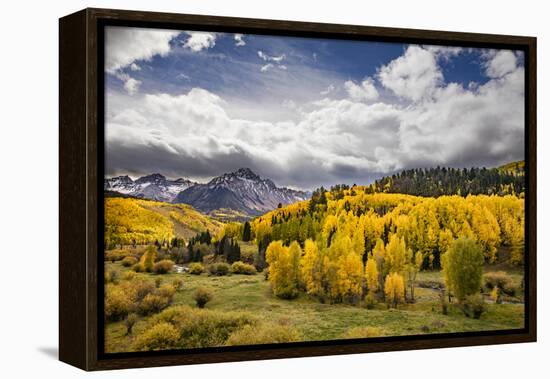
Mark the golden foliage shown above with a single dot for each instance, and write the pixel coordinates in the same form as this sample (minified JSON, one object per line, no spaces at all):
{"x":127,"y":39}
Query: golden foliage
{"x":394,"y":289}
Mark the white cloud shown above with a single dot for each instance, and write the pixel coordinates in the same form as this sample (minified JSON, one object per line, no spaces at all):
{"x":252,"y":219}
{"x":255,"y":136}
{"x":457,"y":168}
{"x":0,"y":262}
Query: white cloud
{"x":328,"y":90}
{"x":500,"y":63}
{"x":414,"y":75}
{"x":198,"y":41}
{"x":124,"y":45}
{"x":239,"y":40}
{"x":267,"y":58}
{"x":282,"y":67}
{"x":132,"y":86}
{"x":183,"y":76}
{"x":266,"y":67}
{"x":365,"y":91}
{"x":135,"y":67}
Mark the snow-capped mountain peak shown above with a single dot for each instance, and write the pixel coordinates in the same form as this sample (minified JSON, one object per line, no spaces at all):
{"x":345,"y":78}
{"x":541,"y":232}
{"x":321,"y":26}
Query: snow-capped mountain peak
{"x":154,"y":186}
{"x":241,"y":190}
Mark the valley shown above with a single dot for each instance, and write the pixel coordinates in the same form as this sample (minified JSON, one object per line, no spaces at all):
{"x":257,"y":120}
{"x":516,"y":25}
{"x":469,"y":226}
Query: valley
{"x":348,"y":262}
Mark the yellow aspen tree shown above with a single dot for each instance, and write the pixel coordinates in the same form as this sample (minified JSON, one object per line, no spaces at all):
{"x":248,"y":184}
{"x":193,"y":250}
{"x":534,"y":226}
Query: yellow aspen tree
{"x":394,"y":289}
{"x":379,"y":255}
{"x":371,"y":274}
{"x":311,"y":268}
{"x":282,"y":270}
{"x":396,"y":251}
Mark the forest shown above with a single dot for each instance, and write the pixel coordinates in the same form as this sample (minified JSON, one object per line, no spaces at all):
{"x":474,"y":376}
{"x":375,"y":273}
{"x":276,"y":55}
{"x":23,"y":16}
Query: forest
{"x":351,"y":262}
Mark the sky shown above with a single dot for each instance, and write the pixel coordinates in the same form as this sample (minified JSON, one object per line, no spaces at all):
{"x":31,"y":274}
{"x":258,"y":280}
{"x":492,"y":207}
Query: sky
{"x":304,"y":112}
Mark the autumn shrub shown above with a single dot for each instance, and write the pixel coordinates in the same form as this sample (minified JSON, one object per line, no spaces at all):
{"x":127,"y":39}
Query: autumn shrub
{"x":202,"y":327}
{"x":364,"y":332}
{"x":141,"y":288}
{"x":218,"y":269}
{"x":500,"y":280}
{"x":115,"y":255}
{"x":243,"y":268}
{"x":370,"y":301}
{"x":474,"y":306}
{"x":158,"y":282}
{"x":118,"y":302}
{"x":128,"y":275}
{"x":262,"y":334}
{"x":137,"y":267}
{"x":159,"y":337}
{"x":177,"y":284}
{"x":112,"y":276}
{"x":248,"y":256}
{"x":129,"y":261}
{"x":153,"y":303}
{"x":130,"y":321}
{"x":196,"y":268}
{"x":163,"y":267}
{"x":166,"y":290}
{"x":202,"y":296}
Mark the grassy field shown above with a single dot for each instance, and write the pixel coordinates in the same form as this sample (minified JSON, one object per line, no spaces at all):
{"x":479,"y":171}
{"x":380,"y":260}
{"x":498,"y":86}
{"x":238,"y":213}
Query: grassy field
{"x":317,"y":321}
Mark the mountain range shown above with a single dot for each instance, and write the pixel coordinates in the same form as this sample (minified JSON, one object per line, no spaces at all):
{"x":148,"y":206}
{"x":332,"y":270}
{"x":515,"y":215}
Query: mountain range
{"x":154,"y":187}
{"x":242,"y":191}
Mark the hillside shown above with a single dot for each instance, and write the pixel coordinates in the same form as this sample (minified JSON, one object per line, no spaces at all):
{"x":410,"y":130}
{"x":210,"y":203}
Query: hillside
{"x":505,"y":180}
{"x":129,"y":221}
{"x":352,"y":221}
{"x":515,"y":168}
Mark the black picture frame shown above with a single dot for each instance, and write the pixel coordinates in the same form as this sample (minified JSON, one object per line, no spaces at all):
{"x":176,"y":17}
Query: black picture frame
{"x":81,"y":112}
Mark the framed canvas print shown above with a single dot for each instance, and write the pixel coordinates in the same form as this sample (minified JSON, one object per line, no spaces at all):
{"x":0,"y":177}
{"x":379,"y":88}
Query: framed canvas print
{"x":237,"y":189}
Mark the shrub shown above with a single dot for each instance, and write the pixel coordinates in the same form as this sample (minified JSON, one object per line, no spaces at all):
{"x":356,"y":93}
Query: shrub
{"x":163,"y":267}
{"x":117,"y":303}
{"x":202,"y":296}
{"x":218,"y":269}
{"x":177,"y":284}
{"x":500,"y":280}
{"x":463,"y":267}
{"x":243,"y":268}
{"x":370,"y":301}
{"x":474,"y":306}
{"x":128,"y":275}
{"x":137,"y":267}
{"x":112,"y":276}
{"x":142,"y":288}
{"x":262,"y":334}
{"x":130,"y":321}
{"x":202,"y":327}
{"x":363,"y":332}
{"x":115,"y":255}
{"x":248,"y":256}
{"x":167,"y":290}
{"x":158,"y":282}
{"x":160,"y":336}
{"x":152,"y":303}
{"x":129,"y":261}
{"x":496,"y":279}
{"x":196,"y":268}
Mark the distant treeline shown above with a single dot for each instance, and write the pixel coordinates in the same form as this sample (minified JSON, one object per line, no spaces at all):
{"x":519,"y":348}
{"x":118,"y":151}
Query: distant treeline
{"x":439,"y":181}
